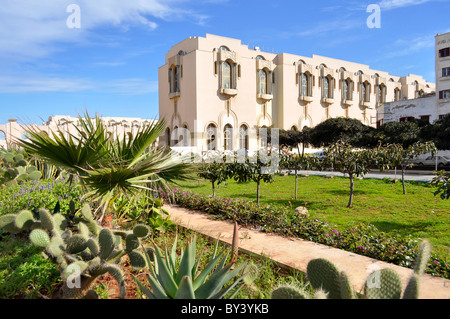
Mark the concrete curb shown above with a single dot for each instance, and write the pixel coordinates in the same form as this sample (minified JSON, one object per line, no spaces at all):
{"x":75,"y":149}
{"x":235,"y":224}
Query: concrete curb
{"x":296,"y":253}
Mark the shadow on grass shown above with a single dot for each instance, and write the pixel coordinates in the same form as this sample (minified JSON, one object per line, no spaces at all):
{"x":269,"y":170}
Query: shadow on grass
{"x":293,"y":203}
{"x":346,"y":192}
{"x":403,"y":228}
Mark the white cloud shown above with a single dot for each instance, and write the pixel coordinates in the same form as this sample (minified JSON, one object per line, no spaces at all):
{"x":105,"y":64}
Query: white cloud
{"x":409,"y":46}
{"x":45,"y":84}
{"x":394,"y":4}
{"x":325,"y":27}
{"x":32,"y":29}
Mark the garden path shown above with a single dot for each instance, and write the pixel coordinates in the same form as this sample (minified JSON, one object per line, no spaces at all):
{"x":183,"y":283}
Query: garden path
{"x":296,"y":253}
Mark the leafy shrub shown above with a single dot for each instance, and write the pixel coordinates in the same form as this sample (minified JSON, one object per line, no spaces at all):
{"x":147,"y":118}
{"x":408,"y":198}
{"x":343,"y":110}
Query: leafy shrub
{"x":23,"y":270}
{"x":34,"y":195}
{"x":362,"y":239}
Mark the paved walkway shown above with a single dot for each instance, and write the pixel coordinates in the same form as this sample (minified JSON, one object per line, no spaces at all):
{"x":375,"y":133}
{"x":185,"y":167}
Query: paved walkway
{"x":296,"y":253}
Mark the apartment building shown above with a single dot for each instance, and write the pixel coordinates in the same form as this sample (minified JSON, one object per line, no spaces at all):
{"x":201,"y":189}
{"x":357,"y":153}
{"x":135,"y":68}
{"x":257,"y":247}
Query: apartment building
{"x":216,"y":93}
{"x":427,"y":107}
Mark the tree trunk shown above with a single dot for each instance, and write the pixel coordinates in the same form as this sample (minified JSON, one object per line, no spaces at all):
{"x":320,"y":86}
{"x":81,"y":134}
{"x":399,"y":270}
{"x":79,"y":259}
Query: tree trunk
{"x":403,"y":180}
{"x":296,"y":178}
{"x":213,"y":189}
{"x":257,"y":191}
{"x":351,"y":191}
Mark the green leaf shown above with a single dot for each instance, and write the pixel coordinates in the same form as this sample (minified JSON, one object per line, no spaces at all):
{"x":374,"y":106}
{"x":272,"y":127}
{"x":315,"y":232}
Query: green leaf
{"x":165,"y":278}
{"x":187,"y":262}
{"x":185,"y":290}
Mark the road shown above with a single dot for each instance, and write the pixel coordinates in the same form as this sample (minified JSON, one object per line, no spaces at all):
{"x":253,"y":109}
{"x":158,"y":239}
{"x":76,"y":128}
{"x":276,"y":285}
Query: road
{"x":412,"y":175}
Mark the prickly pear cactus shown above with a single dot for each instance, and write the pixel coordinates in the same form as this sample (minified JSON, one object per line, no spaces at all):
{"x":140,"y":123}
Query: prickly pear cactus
{"x":331,"y":283}
{"x":289,"y":292}
{"x":14,"y":168}
{"x":324,"y":274}
{"x":83,"y":252}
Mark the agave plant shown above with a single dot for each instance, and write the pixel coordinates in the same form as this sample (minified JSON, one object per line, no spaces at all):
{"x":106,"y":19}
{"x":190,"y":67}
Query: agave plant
{"x":108,"y":167}
{"x":186,"y":281}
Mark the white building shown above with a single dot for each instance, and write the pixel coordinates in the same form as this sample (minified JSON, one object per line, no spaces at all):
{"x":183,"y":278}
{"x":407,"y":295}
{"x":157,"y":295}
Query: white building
{"x":221,"y":92}
{"x":423,"y":106}
{"x":116,"y":126}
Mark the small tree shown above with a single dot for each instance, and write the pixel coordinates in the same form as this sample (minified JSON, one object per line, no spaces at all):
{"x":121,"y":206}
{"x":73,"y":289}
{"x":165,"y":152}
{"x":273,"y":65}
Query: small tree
{"x":442,"y":182}
{"x":348,"y":160}
{"x":395,"y":155}
{"x":297,"y":162}
{"x":214,"y":172}
{"x":253,"y":169}
{"x":216,"y":169}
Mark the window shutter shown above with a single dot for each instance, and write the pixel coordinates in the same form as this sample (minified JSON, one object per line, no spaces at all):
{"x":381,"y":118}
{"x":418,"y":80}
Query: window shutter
{"x":269,"y":82}
{"x":220,"y":75}
{"x":234,"y":76}
{"x":177,"y":89}
{"x":351,"y":90}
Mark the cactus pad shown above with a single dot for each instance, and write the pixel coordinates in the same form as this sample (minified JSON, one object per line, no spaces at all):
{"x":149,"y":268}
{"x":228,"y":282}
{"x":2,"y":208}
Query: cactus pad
{"x":75,"y":244}
{"x":40,"y":238}
{"x":383,"y":284}
{"x":24,"y":219}
{"x":137,"y":259}
{"x":141,"y":230}
{"x":324,"y":274}
{"x":46,"y":219}
{"x":106,"y":242}
{"x":289,"y":292}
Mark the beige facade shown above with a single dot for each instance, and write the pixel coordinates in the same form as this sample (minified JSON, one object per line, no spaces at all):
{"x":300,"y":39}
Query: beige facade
{"x":222,"y":92}
{"x":442,"y":52}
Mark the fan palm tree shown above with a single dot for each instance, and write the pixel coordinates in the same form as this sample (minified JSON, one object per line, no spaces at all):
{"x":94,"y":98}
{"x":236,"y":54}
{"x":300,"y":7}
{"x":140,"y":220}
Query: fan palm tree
{"x":107,"y":167}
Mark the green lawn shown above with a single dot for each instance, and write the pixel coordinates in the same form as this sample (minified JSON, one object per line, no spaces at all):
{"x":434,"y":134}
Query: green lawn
{"x":418,"y":213}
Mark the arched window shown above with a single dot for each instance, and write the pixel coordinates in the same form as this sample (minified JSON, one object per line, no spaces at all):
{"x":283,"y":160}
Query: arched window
{"x":381,"y":94}
{"x":262,"y":82}
{"x":211,"y":133}
{"x":263,"y":137}
{"x":168,"y":136}
{"x":326,"y":87}
{"x":226,"y":75}
{"x":177,"y":136}
{"x":243,"y":137}
{"x":260,"y":57}
{"x":365,"y":92}
{"x":176,"y":86}
{"x":304,"y":84}
{"x":228,"y":137}
{"x":224,"y":48}
{"x":345,"y":90}
{"x":185,"y":135}
{"x":396,"y":94}
{"x":174,"y":79}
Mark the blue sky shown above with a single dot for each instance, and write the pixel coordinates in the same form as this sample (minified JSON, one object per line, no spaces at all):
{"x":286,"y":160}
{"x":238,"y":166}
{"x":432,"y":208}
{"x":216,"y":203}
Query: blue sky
{"x":110,"y":64}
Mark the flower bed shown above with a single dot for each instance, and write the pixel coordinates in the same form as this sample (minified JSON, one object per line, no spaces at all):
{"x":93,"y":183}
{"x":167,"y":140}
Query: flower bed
{"x":362,"y":239}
